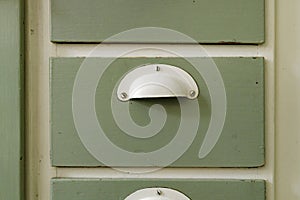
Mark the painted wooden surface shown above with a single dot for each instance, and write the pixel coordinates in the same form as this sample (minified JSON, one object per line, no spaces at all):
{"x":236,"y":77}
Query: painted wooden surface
{"x":109,"y":189}
{"x":11,"y":101}
{"x":242,"y":140}
{"x":207,"y":21}
{"x":287,"y":162}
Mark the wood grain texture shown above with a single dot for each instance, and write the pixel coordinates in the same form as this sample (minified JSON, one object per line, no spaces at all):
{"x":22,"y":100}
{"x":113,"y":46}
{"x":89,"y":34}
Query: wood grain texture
{"x":11,"y":101}
{"x":242,"y":140}
{"x":112,"y":189}
{"x":206,"y":21}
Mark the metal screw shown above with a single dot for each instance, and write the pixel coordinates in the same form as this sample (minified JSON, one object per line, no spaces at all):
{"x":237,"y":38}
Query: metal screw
{"x":192,"y":93}
{"x":159,"y":192}
{"x":157,"y":68}
{"x":123,"y":95}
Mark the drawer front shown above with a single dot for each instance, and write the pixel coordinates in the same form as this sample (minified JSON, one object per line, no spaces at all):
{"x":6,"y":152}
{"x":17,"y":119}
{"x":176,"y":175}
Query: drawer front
{"x":206,"y":21}
{"x":241,"y":141}
{"x":108,"y":189}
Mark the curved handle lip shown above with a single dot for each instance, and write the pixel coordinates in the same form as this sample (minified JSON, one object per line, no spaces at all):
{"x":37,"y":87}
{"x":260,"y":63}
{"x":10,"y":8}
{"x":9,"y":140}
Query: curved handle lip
{"x":157,"y":81}
{"x":157,"y":193}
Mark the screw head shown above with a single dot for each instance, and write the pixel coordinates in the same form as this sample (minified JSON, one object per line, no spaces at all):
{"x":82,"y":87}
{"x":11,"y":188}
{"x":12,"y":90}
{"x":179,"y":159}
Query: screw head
{"x":159,"y":192}
{"x":192,"y":93}
{"x":123,"y":95}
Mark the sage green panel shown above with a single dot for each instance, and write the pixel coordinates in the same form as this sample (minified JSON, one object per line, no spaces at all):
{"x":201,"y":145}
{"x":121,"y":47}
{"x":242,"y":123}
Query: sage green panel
{"x":195,"y":189}
{"x":11,"y":100}
{"x":206,"y":21}
{"x":241,"y":143}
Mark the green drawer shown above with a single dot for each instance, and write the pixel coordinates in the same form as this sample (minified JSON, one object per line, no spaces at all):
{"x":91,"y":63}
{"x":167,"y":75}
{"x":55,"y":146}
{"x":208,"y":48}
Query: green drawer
{"x":206,"y":21}
{"x":241,"y":143}
{"x":195,"y":189}
{"x":12,"y":100}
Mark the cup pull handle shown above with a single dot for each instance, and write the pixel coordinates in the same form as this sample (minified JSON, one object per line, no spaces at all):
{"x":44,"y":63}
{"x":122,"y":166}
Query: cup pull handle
{"x":157,"y":81}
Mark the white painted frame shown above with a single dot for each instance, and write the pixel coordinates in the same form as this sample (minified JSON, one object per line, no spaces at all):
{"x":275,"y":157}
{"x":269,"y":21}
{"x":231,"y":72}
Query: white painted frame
{"x":287,"y":100}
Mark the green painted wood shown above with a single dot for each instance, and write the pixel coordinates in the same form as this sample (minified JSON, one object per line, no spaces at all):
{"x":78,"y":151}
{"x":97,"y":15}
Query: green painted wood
{"x":206,"y":21}
{"x":11,"y":101}
{"x":112,"y":189}
{"x":241,"y":143}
